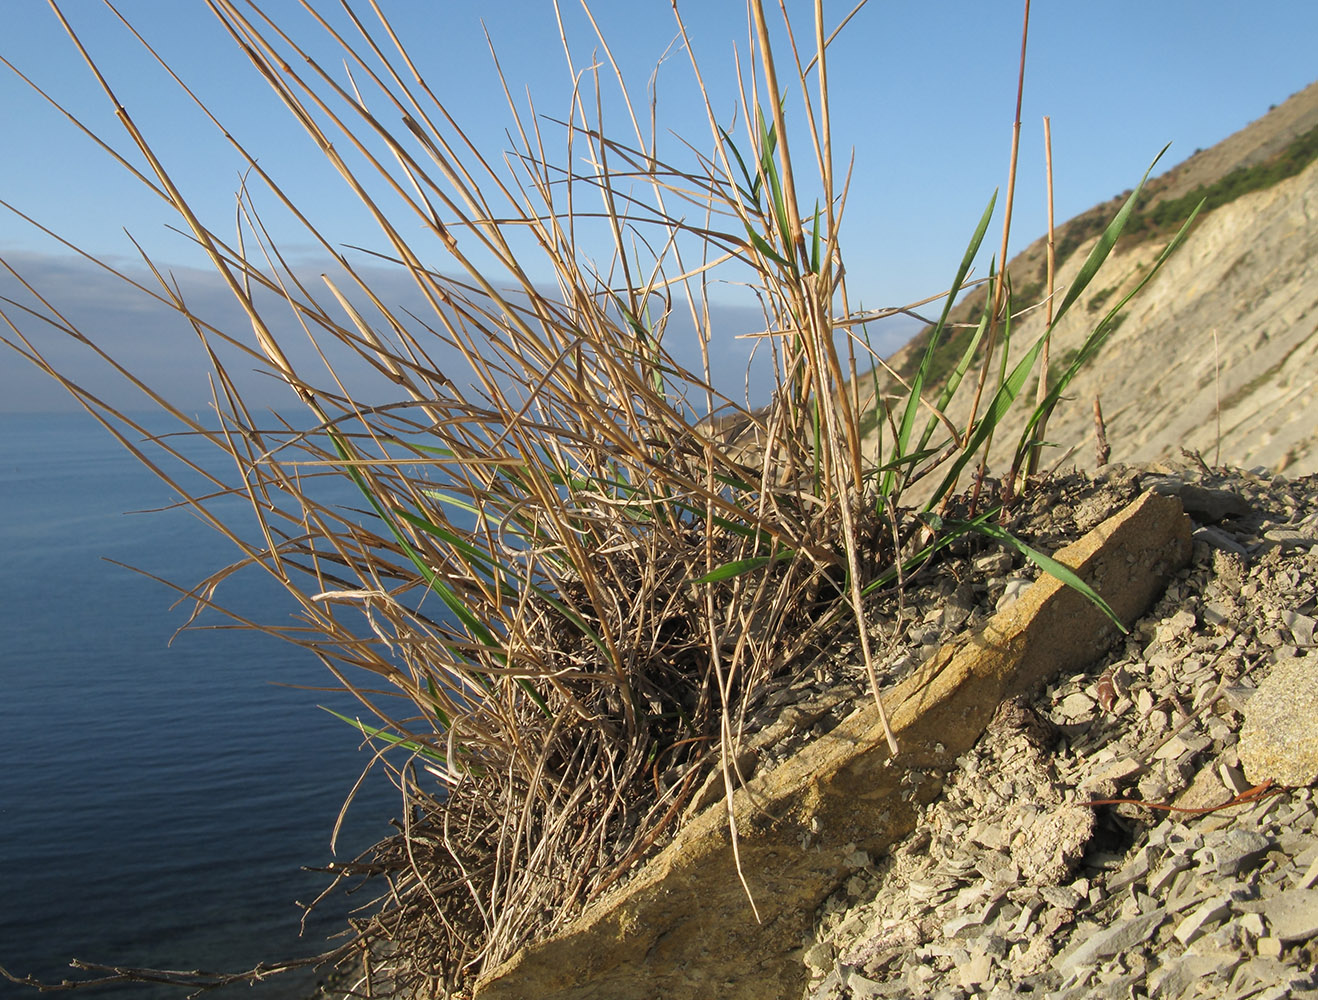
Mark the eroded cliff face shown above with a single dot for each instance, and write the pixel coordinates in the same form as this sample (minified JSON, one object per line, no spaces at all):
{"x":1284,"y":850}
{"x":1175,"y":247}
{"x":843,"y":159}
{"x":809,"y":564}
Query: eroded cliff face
{"x":1216,"y":355}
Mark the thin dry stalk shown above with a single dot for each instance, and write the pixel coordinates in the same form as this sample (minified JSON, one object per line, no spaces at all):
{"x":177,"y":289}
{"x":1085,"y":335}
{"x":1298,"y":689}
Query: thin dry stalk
{"x":1102,"y":451}
{"x":1032,"y":460}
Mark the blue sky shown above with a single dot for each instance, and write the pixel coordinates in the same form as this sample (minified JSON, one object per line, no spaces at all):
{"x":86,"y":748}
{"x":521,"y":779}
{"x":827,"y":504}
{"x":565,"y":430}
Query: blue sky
{"x":922,"y":92}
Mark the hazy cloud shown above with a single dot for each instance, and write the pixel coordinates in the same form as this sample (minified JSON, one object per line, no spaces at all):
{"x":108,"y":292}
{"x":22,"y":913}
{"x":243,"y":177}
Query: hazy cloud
{"x":163,"y":350}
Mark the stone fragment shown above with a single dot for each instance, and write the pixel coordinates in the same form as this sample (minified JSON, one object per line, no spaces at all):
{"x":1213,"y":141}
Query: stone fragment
{"x":1145,"y":902}
{"x":918,"y":976}
{"x":967,"y":925}
{"x":1135,"y":868}
{"x":1209,"y":912}
{"x":1292,"y":915}
{"x":1205,"y":791}
{"x":1279,"y":740}
{"x":976,"y":971}
{"x":1177,"y":625}
{"x":859,"y":987}
{"x":1063,"y":897}
{"x":1212,"y":505}
{"x":1186,"y":892}
{"x":1056,"y":844}
{"x":1242,"y":850}
{"x":1013,"y":589}
{"x":1115,"y":939}
{"x":819,"y":958}
{"x":900,"y":938}
{"x":1162,"y":879}
{"x":995,"y":563}
{"x":1310,"y":877}
{"x":1219,"y":539}
{"x":1290,"y":538}
{"x":1115,"y":772}
{"x":1076,"y":706}
{"x":1301,"y":626}
{"x":990,"y":835}
{"x":857,"y":860}
{"x":1238,"y":695}
{"x":1196,"y":967}
{"x":829,"y":989}
{"x":1252,"y":924}
{"x":1181,"y":745}
{"x":1282,"y":991}
{"x":1269,"y":947}
{"x":1233,"y":778}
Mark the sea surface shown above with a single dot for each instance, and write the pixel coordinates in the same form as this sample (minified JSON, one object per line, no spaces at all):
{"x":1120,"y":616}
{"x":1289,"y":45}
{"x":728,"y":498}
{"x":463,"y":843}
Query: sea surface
{"x":158,"y":798}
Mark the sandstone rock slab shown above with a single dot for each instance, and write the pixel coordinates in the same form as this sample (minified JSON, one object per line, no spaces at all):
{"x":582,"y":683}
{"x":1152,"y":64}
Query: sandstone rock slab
{"x":1279,"y":740}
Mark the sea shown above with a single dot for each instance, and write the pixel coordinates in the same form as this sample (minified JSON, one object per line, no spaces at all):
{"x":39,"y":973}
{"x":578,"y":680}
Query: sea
{"x":162,"y":796}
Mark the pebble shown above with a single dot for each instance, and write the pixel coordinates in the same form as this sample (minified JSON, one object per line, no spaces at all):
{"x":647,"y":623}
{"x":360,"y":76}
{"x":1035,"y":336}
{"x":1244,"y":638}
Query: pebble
{"x":1208,"y":914}
{"x":1219,"y":539}
{"x":1005,"y":888}
{"x":1242,"y":850}
{"x":1110,"y":941}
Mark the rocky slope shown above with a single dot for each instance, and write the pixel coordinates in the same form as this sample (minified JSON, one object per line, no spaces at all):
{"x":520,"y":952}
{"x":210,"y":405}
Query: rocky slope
{"x":1081,"y":848}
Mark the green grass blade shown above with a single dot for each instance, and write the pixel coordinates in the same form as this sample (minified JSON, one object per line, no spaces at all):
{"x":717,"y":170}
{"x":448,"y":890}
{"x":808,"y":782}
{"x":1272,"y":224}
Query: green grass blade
{"x":739,"y":567}
{"x":752,"y":191}
{"x":941,"y":541}
{"x":476,"y":628}
{"x":431,"y":689}
{"x":1012,"y":385}
{"x":472,"y":552}
{"x":1046,"y":563}
{"x":381,"y":733}
{"x":912,"y":410}
{"x":777,"y":201}
{"x":999,"y":405}
{"x":1104,"y":245}
{"x":484,"y":559}
{"x":762,"y":245}
{"x":963,"y":366}
{"x":815,"y":239}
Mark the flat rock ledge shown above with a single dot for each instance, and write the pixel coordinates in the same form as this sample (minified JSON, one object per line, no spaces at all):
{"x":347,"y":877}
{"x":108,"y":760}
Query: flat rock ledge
{"x":682,"y":926}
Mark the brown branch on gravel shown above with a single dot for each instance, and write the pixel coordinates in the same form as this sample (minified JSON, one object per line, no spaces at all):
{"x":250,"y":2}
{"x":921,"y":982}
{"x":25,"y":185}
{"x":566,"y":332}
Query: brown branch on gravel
{"x":1255,"y":794}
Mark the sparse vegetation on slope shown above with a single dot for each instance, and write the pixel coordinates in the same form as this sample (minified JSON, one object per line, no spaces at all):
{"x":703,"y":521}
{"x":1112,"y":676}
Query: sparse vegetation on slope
{"x":1162,"y":217}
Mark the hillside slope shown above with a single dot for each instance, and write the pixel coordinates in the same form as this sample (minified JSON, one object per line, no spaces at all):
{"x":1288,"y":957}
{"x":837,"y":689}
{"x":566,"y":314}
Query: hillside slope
{"x":1224,"y":336}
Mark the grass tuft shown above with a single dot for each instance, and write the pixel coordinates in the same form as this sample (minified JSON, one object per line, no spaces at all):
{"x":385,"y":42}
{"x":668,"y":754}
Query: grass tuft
{"x":572,"y":562}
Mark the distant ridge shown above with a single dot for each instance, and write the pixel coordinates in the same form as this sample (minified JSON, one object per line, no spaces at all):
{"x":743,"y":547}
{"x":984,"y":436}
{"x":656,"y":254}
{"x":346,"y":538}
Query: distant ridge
{"x":1260,"y":139}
